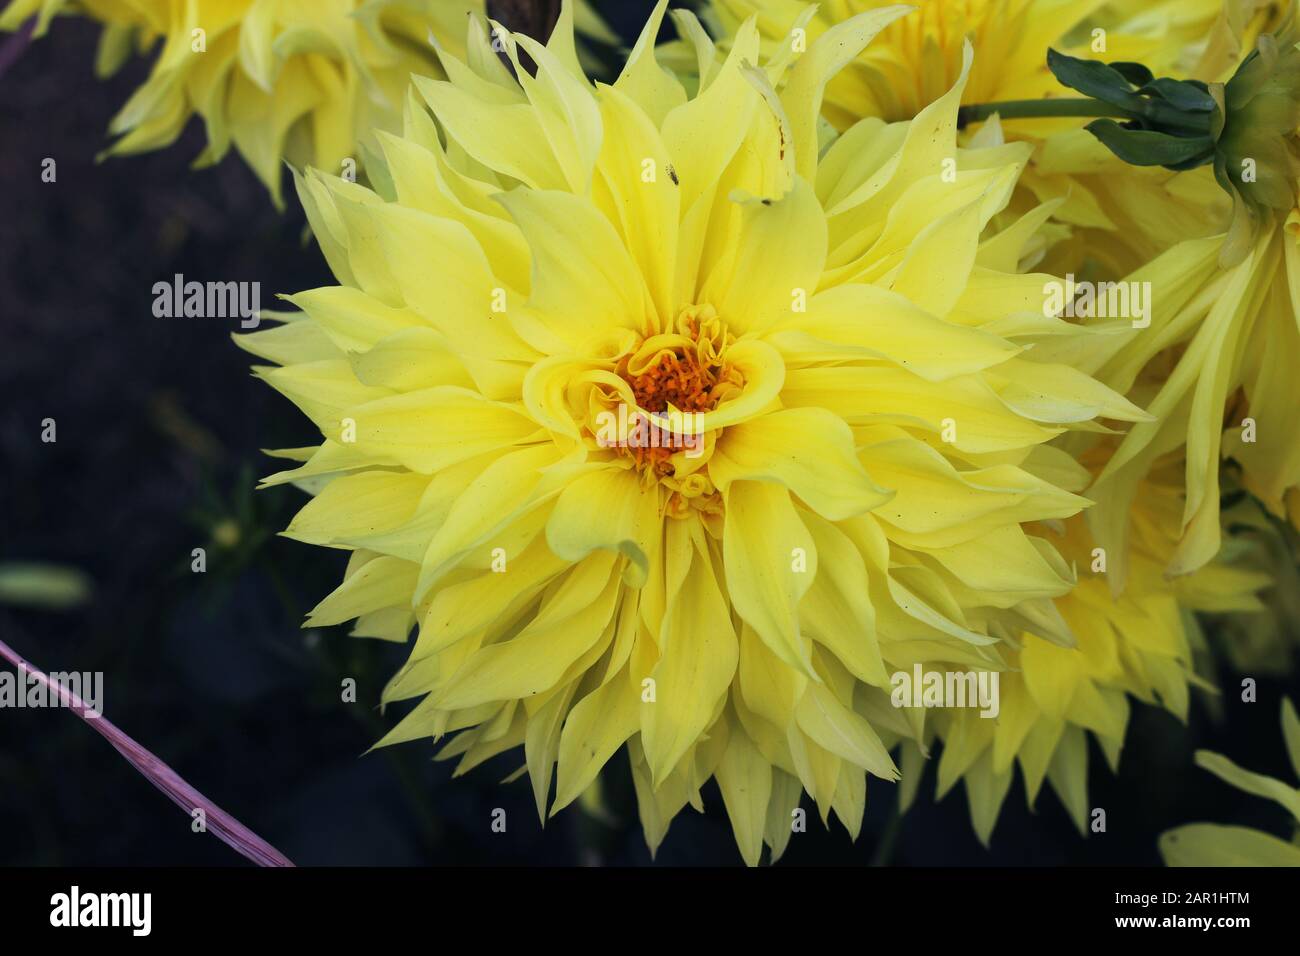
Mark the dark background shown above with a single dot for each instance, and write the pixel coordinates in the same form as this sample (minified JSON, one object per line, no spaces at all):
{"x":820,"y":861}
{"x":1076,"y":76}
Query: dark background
{"x":159,"y":429}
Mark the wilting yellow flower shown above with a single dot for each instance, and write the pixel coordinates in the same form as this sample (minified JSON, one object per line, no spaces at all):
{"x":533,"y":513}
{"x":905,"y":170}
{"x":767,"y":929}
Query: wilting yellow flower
{"x":1135,"y":643}
{"x":667,"y":431}
{"x":1215,"y":362}
{"x":1210,"y":844}
{"x":307,"y":81}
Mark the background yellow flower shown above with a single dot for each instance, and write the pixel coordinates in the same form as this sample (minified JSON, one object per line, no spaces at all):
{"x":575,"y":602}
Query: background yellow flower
{"x":302,"y":81}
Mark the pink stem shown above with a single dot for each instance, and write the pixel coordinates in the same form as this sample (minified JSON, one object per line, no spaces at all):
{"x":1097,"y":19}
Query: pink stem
{"x":227,"y":829}
{"x":13,"y":47}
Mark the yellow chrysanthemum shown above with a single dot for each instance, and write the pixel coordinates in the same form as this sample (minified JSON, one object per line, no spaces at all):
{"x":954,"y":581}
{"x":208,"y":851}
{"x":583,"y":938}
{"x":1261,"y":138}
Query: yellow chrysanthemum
{"x":1135,"y":643}
{"x":1210,"y":844}
{"x":559,"y":278}
{"x":307,"y":81}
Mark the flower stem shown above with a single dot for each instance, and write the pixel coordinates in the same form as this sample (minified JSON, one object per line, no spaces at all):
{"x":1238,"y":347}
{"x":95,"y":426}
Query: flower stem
{"x":1037,"y":109}
{"x":221,"y":824}
{"x":12,"y":48}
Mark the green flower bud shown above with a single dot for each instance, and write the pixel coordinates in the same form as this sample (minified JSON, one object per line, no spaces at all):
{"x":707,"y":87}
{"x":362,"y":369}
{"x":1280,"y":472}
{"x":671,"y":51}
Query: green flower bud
{"x":1247,"y":127}
{"x":1257,"y":153}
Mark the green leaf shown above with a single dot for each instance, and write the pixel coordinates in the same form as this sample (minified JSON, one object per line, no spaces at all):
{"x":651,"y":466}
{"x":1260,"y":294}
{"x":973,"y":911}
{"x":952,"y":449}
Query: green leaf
{"x":1149,"y":148}
{"x":1291,"y":734}
{"x":1186,"y":96}
{"x":1193,"y":163}
{"x":1253,"y":783}
{"x":47,"y":586}
{"x":1135,"y":73}
{"x":1208,"y":844}
{"x":1095,"y":79}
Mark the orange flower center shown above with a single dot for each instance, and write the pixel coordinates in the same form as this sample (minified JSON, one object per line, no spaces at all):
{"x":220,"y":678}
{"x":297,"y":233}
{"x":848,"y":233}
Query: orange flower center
{"x":678,"y":380}
{"x":658,"y":417}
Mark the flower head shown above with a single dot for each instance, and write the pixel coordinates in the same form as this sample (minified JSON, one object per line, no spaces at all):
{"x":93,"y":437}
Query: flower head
{"x":668,"y":431}
{"x":303,"y":82}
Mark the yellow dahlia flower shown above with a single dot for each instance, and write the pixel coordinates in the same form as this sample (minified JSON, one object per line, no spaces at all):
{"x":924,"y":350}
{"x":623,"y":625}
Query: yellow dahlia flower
{"x":667,"y":431}
{"x":1210,"y":844}
{"x":1108,"y":218}
{"x":305,"y":81}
